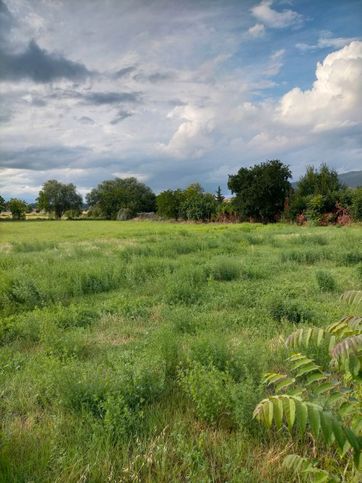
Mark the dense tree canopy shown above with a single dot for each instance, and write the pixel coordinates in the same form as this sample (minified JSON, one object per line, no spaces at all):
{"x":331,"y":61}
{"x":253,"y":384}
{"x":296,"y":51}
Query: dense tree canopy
{"x":169,"y":203}
{"x":56,"y":197}
{"x":261,"y":190}
{"x":318,"y":192}
{"x":117,"y":194}
{"x":18,"y":208}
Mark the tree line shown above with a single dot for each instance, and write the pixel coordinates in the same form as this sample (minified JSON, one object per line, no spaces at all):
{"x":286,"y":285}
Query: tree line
{"x":261,"y":193}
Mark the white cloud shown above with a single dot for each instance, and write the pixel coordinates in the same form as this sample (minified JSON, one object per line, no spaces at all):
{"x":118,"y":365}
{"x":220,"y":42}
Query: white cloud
{"x":274,"y":19}
{"x":257,"y":30}
{"x":336,"y":96}
{"x":275,"y":63}
{"x":326,"y":40}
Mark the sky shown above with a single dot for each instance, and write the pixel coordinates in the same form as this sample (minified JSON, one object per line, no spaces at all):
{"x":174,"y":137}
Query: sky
{"x":175,"y":91}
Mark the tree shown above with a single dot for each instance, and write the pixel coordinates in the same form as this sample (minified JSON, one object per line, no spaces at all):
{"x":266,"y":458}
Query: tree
{"x":357,"y":204}
{"x":56,"y":197}
{"x":318,"y":192}
{"x":261,"y":190}
{"x":219,"y":196}
{"x":169,"y":203}
{"x":18,"y":208}
{"x":2,"y":204}
{"x":322,"y":182}
{"x":111,"y":196}
{"x":197,"y":205}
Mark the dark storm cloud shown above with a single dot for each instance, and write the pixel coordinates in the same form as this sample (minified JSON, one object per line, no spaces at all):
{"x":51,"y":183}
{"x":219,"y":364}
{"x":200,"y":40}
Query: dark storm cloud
{"x":39,"y":65}
{"x":33,"y":62}
{"x":42,"y":158}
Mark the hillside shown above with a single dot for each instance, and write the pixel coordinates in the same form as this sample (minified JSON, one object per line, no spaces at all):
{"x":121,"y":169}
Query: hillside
{"x":352,"y":178}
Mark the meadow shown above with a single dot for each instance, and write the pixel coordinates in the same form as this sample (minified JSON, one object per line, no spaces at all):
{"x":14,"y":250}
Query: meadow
{"x":134,"y":351}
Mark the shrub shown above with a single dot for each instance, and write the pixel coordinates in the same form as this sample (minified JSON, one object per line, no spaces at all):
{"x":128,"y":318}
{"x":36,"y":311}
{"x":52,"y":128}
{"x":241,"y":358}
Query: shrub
{"x":225,"y":269}
{"x":24,"y":291}
{"x":325,"y":281}
{"x":323,"y":401}
{"x":210,"y":390}
{"x":290,"y":310}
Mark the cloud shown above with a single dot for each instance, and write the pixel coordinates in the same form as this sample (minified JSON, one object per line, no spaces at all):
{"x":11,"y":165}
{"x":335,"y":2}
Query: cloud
{"x":39,"y":65}
{"x":274,"y":19}
{"x":102,"y":98}
{"x":275,"y":63}
{"x":257,"y":30}
{"x":326,"y":40}
{"x":121,"y":116}
{"x":336,"y":96}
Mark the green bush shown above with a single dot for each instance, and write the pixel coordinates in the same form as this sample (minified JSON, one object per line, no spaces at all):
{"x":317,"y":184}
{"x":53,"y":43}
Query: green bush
{"x":325,"y":281}
{"x":210,"y":390}
{"x":290,"y":310}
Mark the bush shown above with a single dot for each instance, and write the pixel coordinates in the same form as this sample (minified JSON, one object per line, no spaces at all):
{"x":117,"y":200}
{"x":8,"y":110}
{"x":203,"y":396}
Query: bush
{"x":210,"y":390}
{"x":225,"y":269}
{"x":326,"y":281}
{"x":291,"y":311}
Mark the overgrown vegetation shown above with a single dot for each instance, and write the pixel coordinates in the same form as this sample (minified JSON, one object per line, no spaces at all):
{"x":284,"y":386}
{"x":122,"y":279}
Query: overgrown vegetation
{"x":136,"y":351}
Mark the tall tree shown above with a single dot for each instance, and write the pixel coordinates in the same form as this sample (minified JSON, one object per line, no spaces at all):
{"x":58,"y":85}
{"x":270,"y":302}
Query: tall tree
{"x":56,"y":197}
{"x":117,"y":194}
{"x":261,"y":190}
{"x":219,"y":196}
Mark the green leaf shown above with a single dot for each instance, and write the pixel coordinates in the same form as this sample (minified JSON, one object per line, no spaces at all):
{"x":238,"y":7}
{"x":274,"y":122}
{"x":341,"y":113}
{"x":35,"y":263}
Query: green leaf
{"x":314,"y":418}
{"x":278,"y":411}
{"x":289,"y":409}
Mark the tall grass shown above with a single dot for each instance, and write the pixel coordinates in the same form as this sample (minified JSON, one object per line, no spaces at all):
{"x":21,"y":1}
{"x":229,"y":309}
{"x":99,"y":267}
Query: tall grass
{"x":135,"y":351}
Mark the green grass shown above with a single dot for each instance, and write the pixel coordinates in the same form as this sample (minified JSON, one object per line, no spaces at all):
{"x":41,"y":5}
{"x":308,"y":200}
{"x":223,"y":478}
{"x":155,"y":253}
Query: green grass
{"x":134,"y":351}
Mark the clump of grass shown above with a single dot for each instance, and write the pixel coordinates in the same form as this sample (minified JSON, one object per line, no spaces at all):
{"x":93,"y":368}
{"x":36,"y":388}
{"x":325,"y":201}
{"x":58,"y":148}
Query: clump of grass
{"x":325,"y":281}
{"x":185,"y":286}
{"x":307,"y":257}
{"x":351,"y":257}
{"x":292,"y":311}
{"x":225,"y":269}
{"x":34,"y":246}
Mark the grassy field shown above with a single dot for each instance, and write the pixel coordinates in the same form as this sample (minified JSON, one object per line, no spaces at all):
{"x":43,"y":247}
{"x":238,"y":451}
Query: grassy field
{"x":133,"y":351}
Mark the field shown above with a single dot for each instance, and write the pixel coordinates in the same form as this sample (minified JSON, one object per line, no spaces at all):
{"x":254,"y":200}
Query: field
{"x":134,"y":351}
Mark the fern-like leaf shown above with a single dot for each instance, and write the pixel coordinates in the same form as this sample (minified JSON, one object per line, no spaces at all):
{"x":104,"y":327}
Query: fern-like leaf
{"x":352,"y":296}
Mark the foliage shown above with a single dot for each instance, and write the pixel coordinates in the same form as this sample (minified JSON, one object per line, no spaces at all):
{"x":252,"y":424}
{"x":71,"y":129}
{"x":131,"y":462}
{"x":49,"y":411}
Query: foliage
{"x":261,"y":191}
{"x":225,"y":269}
{"x":325,"y":281}
{"x":18,"y":208}
{"x":169,"y":204}
{"x":210,"y":390}
{"x":56,"y":197}
{"x":112,"y":195}
{"x":100,"y":321}
{"x":357,"y":204}
{"x":326,"y":400}
{"x":219,"y":196}
{"x":2,"y":204}
{"x":197,"y":205}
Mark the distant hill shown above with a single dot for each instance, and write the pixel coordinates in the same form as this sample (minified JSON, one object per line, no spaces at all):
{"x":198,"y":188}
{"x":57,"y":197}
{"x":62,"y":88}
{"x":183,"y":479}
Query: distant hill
{"x":352,"y":179}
